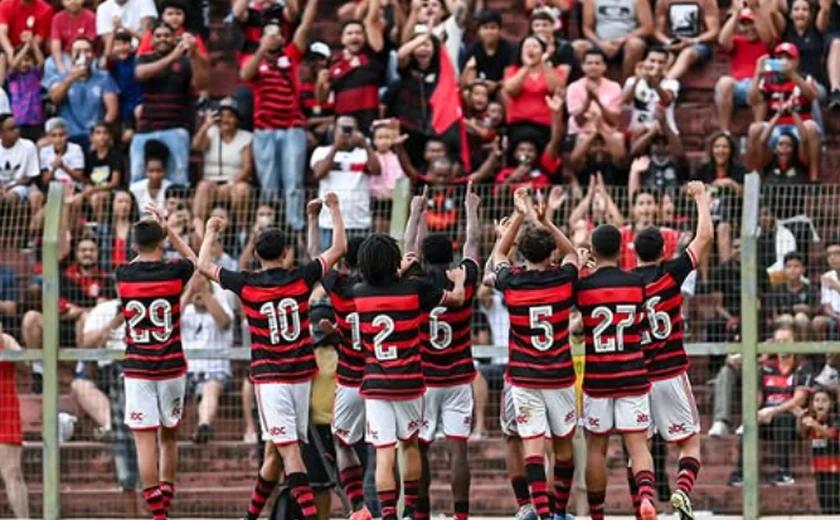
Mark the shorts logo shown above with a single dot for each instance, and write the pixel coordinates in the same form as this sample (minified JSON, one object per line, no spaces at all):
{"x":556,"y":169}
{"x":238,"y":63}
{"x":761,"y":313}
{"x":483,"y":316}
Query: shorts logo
{"x":642,"y":418}
{"x":569,"y":417}
{"x":136,"y":416}
{"x":424,"y":424}
{"x":413,"y":425}
{"x":373,"y":434}
{"x":676,"y":428}
{"x":341,"y":432}
{"x":176,"y":408}
{"x":594,"y":422}
{"x":468,"y":420}
{"x":521,"y":418}
{"x":276,"y":431}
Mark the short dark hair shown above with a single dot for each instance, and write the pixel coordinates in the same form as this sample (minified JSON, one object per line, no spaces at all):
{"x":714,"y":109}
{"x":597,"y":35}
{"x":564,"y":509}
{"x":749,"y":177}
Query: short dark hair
{"x":657,"y":49}
{"x":155,"y":150}
{"x":606,"y":241}
{"x":4,"y":117}
{"x":271,"y":243}
{"x":379,"y":259}
{"x":437,"y":249}
{"x":644,"y":191}
{"x":794,"y":255}
{"x":175,"y":4}
{"x":176,"y":191}
{"x":595,"y":51}
{"x":123,"y":36}
{"x":148,"y":234}
{"x":352,"y":254}
{"x":160,"y":23}
{"x":348,"y":23}
{"x":649,"y":244}
{"x":488,"y":16}
{"x":536,"y":244}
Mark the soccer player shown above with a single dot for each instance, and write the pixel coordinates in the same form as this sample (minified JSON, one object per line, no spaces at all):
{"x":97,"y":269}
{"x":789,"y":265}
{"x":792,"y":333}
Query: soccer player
{"x":389,"y":309}
{"x":275,"y":300}
{"x":539,"y":298}
{"x":672,"y":405}
{"x":446,"y":354}
{"x":615,"y":384}
{"x":349,"y":412}
{"x":154,"y":367}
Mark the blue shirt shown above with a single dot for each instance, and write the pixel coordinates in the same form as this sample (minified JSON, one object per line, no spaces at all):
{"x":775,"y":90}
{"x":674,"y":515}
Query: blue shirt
{"x":122,"y":71}
{"x":83,"y":105}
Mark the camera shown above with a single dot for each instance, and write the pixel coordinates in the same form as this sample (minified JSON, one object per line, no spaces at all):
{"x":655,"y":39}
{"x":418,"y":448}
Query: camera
{"x":347,"y":130}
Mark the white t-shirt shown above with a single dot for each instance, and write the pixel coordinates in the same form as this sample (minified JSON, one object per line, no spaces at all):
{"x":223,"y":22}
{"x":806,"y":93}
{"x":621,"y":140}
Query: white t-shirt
{"x":349,"y":180}
{"x":199,"y":330}
{"x":97,"y":318}
{"x":72,"y":158}
{"x":5,"y":107}
{"x":829,"y":296}
{"x":140,"y":190}
{"x":131,"y":13}
{"x":18,"y":163}
{"x":223,"y":161}
{"x":499,"y":320}
{"x":646,"y":99}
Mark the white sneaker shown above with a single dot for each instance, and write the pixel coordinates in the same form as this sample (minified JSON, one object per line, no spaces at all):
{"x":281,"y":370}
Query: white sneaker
{"x":719,"y":429}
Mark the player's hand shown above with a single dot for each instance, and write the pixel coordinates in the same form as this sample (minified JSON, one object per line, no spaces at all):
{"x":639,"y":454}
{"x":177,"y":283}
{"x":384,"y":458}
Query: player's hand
{"x":327,"y":327}
{"x":214,"y":225}
{"x":695,"y":189}
{"x":331,"y":201}
{"x":501,"y":226}
{"x":471,"y":200}
{"x":556,"y":197}
{"x":156,"y":213}
{"x":521,"y":200}
{"x":418,"y":202}
{"x":313,"y":207}
{"x":457,"y":275}
{"x":407,"y":261}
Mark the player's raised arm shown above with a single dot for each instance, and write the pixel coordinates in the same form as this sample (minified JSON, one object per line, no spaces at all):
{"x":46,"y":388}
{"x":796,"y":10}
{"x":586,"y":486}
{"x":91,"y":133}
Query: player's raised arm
{"x":177,"y":242}
{"x":339,"y":240}
{"x":205,"y":260}
{"x":417,"y":213}
{"x":561,"y":241}
{"x":703,"y":237}
{"x":502,"y":249}
{"x":471,"y":244}
{"x":455,"y":297}
{"x":313,"y":237}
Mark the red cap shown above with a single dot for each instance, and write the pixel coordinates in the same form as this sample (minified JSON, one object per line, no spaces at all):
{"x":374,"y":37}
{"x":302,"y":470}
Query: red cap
{"x":787,"y":48}
{"x":746,"y":14}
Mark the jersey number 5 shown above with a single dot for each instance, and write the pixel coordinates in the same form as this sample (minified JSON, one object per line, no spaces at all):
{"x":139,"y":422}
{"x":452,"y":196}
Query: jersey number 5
{"x":614,"y":343}
{"x":160,"y":314}
{"x":279,"y":324}
{"x":536,"y":320}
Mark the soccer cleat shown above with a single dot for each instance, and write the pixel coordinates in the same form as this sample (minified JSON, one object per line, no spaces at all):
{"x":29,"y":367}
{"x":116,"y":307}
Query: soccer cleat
{"x":719,"y":429}
{"x":647,"y":511}
{"x":682,"y":504}
{"x":361,"y":514}
{"x":526,"y":512}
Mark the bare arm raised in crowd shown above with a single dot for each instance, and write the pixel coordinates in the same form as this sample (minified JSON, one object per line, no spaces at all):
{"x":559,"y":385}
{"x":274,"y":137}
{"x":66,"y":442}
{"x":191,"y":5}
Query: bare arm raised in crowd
{"x":473,"y":239}
{"x":699,"y":246}
{"x":417,"y":213}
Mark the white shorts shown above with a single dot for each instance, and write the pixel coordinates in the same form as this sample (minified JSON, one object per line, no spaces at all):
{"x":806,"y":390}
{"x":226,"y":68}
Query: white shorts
{"x":673,"y":408}
{"x":150,"y":404}
{"x":447,"y":408}
{"x":507,"y":413}
{"x":348,"y":415}
{"x":390,"y":421}
{"x":284,"y":411}
{"x":541,"y":411}
{"x":604,"y":415}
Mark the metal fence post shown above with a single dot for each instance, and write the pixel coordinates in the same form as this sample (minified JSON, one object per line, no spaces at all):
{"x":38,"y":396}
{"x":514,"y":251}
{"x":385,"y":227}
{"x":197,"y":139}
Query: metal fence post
{"x":49,"y":397}
{"x":749,"y":344}
{"x":399,"y":209}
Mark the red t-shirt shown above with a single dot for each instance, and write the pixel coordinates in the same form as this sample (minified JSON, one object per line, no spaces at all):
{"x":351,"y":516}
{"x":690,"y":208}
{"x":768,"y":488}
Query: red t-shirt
{"x":529,"y":105}
{"x":118,"y":255}
{"x":628,"y":260}
{"x":67,"y":27}
{"x":146,"y":46}
{"x":539,"y":177}
{"x":35,"y":16}
{"x":744,"y":55}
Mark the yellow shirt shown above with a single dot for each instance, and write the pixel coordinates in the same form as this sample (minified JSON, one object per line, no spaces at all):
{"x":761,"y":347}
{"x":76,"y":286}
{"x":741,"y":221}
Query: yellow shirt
{"x":323,"y":386}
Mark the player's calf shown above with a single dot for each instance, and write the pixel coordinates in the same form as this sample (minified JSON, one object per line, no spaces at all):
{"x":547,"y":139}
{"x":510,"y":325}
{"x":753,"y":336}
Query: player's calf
{"x":564,"y":470}
{"x":642,"y":464}
{"x":460,"y":470}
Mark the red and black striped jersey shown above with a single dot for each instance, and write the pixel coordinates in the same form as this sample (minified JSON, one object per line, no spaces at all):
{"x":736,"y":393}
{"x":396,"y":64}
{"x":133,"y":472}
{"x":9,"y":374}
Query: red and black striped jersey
{"x":351,"y":357}
{"x":663,"y":347}
{"x":539,"y":304}
{"x":355,"y":81}
{"x":276,"y":303}
{"x":446,"y":334}
{"x":825,"y":451}
{"x":389,"y":322}
{"x":612,"y":304}
{"x":151,"y":304}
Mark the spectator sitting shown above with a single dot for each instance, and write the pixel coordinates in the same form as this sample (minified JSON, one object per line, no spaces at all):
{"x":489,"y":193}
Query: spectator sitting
{"x":279,"y":142}
{"x":828,"y":23}
{"x":206,"y":323}
{"x":84,"y":95}
{"x":173,"y":13}
{"x":645,"y":212}
{"x":228,"y":161}
{"x":489,"y":55}
{"x":597,"y":153}
{"x":618,"y":28}
{"x":22,"y":21}
{"x":594,"y":101}
{"x":689,"y":30}
{"x":168,"y":77}
{"x":61,"y":160}
{"x":648,"y":91}
{"x":794,"y":303}
{"x":24,"y":83}
{"x":787,"y":99}
{"x":559,"y":51}
{"x":787,"y":163}
{"x":754,"y":39}
{"x":19,"y":166}
{"x":67,"y":25}
{"x":828,"y":323}
{"x":120,"y":61}
{"x":343,"y":168}
{"x":449,"y":31}
{"x":115,"y":234}
{"x":133,"y":16}
{"x":104,"y":169}
{"x":153,"y":187}
{"x":391,"y":171}
{"x":819,"y":424}
{"x":665,"y":168}
{"x":784,"y":388}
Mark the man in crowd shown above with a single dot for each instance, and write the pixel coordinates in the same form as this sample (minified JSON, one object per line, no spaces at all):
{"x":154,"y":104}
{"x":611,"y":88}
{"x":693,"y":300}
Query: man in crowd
{"x":619,"y":29}
{"x":689,"y":30}
{"x":594,"y":101}
{"x":18,"y":17}
{"x":134,"y":16}
{"x":490,"y":54}
{"x":794,"y":302}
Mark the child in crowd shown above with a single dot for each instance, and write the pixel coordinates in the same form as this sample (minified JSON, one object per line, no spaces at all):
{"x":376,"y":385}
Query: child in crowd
{"x":25,"y":74}
{"x":382,"y":185}
{"x":119,"y":60}
{"x":819,"y":425}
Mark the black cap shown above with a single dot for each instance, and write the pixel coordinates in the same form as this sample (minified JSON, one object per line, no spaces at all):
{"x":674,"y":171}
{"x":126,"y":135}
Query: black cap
{"x":486,"y":16}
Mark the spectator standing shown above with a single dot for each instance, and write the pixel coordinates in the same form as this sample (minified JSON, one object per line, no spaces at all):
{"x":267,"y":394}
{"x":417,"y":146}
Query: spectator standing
{"x":104,"y":169}
{"x":120,"y":61}
{"x":169,"y":77}
{"x":391,"y":171}
{"x":645,"y":213}
{"x":428,"y":17}
{"x":343,"y":168}
{"x":228,"y":162}
{"x":25,"y":75}
{"x":828,"y":23}
{"x":802,"y":33}
{"x":664,"y":166}
{"x":22,"y":21}
{"x":11,"y":434}
{"x":134,"y":16}
{"x":689,"y":30}
{"x":173,"y":13}
{"x":253,"y":16}
{"x":84,"y":94}
{"x":754,"y":38}
{"x":787,"y":163}
{"x":19,"y":166}
{"x":794,"y":303}
{"x":279,"y":144}
{"x":316,"y":100}
{"x":619,"y":29}
{"x":560,"y":52}
{"x":72,"y":22}
{"x":594,"y":101}
{"x":115,"y":233}
{"x":598,"y":154}
{"x":490,"y":54}
{"x":820,"y":426}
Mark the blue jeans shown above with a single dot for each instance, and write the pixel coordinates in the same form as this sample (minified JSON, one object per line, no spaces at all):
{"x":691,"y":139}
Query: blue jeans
{"x":280,"y":159}
{"x":178,"y":142}
{"x":326,"y":235}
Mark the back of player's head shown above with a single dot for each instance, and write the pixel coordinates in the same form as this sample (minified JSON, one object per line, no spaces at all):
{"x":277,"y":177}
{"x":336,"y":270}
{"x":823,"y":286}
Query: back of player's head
{"x":379,"y":259}
{"x":536,"y":244}
{"x":352,"y":254}
{"x":606,"y":241}
{"x":271,"y":244}
{"x":437,"y":249}
{"x":148,"y":235}
{"x":649,"y":244}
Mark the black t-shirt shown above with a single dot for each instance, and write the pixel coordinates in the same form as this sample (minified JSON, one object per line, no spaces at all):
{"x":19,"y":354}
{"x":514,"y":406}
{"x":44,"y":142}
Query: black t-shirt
{"x":100,"y":170}
{"x":670,"y":175}
{"x":811,"y":51}
{"x":782,"y":300}
{"x":167,"y":97}
{"x":612,"y":175}
{"x":706,"y":173}
{"x":491,"y":67}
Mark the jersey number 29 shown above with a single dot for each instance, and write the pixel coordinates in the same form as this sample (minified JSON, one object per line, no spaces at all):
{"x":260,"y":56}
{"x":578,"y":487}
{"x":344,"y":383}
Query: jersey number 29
{"x":160,"y":314}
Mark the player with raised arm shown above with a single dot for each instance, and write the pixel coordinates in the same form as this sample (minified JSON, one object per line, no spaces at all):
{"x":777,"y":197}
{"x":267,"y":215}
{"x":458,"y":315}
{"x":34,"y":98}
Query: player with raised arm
{"x":539,"y":298}
{"x":672,"y":405}
{"x":615,"y":385}
{"x":446,"y":354}
{"x":275,"y":299}
{"x":154,"y":367}
{"x":389,"y":309}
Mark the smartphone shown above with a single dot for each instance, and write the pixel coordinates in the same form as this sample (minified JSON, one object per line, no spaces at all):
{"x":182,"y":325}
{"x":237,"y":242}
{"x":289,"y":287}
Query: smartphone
{"x":271,"y":29}
{"x":347,"y":130}
{"x":421,"y":28}
{"x":773,"y":65}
